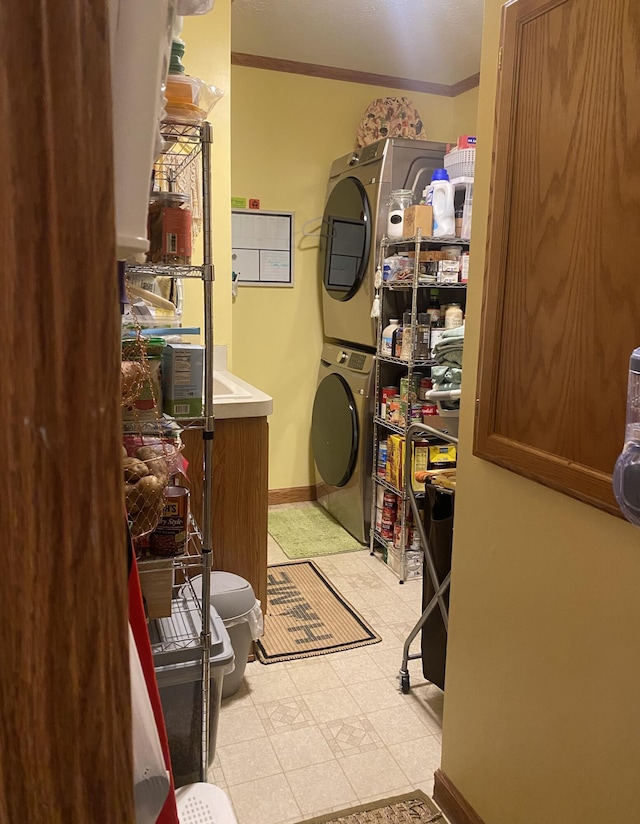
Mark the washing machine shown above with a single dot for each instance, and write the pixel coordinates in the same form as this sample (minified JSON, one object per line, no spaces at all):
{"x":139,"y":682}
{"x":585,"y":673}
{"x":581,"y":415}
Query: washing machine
{"x":354,"y":222}
{"x":341,"y":436}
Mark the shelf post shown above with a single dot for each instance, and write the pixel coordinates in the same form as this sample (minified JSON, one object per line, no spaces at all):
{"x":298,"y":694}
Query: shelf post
{"x":206,"y":137}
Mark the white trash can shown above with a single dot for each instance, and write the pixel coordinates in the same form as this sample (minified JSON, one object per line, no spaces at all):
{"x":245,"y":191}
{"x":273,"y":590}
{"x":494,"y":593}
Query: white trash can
{"x":235,"y":602}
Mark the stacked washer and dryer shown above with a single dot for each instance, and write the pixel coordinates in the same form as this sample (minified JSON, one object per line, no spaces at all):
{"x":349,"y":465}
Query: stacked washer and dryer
{"x":354,"y":223}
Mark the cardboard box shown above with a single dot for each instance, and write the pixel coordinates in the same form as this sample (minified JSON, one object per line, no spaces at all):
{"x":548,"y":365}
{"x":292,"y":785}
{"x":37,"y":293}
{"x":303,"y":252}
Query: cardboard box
{"x":395,"y":466}
{"x":466,"y":141}
{"x":418,"y":218}
{"x":182,"y":379}
{"x":156,"y":582}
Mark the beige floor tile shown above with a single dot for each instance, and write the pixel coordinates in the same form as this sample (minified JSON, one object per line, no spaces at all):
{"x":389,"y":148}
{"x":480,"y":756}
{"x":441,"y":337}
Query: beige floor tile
{"x":286,"y":714}
{"x":271,"y":684}
{"x":377,"y":695}
{"x":332,"y":704}
{"x":240,"y":698}
{"x":275,"y":555}
{"x":358,"y":669}
{"x":418,"y":758}
{"x":350,"y":736}
{"x":248,"y":760}
{"x":236,"y":725}
{"x":315,"y":787}
{"x":301,"y":748}
{"x":265,"y":801}
{"x":398,"y":724}
{"x":314,"y":675}
{"x":373,"y":773}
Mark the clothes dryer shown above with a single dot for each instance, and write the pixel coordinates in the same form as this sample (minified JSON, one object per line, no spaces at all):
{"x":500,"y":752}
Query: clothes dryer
{"x":341,"y":435}
{"x":354,"y":222}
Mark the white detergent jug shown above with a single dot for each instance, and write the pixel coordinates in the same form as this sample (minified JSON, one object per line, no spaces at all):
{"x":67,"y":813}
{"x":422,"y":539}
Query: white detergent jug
{"x":442,"y":200}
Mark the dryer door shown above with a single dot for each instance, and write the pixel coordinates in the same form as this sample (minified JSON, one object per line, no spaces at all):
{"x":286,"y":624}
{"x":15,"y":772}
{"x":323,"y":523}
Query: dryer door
{"x":334,"y":430}
{"x":345,"y":241}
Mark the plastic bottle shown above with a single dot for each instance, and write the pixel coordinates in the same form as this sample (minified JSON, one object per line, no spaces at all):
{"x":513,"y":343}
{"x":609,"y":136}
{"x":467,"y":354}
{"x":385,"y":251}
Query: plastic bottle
{"x":387,"y":336}
{"x":442,"y":195}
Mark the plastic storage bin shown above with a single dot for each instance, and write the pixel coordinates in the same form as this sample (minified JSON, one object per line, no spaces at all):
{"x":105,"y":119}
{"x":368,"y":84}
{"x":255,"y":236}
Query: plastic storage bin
{"x":179,"y":684}
{"x":235,"y":602}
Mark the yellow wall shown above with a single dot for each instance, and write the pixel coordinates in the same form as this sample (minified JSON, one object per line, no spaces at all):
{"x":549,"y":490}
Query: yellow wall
{"x":286,"y":131}
{"x":542,"y":716}
{"x":208,"y":56}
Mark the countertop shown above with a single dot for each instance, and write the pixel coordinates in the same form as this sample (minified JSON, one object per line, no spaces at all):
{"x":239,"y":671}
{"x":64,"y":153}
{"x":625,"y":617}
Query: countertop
{"x":233,"y":397}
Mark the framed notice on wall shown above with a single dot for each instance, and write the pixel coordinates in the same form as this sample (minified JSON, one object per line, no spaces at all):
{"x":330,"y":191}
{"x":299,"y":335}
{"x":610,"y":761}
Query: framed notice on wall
{"x":262,"y":247}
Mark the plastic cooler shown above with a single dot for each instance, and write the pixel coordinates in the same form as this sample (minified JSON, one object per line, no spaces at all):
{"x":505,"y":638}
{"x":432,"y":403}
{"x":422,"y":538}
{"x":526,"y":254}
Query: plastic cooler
{"x":235,"y":602}
{"x":179,"y":673}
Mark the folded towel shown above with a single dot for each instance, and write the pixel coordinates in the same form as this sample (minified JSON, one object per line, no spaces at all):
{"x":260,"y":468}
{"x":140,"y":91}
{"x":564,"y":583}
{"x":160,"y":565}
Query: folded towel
{"x":454,"y":334}
{"x":446,"y":377}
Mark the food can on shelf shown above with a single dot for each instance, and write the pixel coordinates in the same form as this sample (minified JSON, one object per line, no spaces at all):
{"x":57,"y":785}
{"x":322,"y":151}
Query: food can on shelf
{"x":171,"y":536}
{"x":409,"y":389}
{"x":386,"y":393}
{"x":397,"y":534}
{"x":429,"y":410}
{"x":426,"y":385}
{"x":390,"y":499}
{"x":378,"y":518}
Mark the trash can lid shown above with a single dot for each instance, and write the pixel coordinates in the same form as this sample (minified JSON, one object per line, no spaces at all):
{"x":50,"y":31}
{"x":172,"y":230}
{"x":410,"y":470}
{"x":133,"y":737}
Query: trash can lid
{"x":231,"y":595}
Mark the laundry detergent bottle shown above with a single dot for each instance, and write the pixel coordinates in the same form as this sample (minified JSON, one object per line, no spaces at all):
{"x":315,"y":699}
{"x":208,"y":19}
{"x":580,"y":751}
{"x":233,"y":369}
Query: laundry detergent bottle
{"x":441,"y":195}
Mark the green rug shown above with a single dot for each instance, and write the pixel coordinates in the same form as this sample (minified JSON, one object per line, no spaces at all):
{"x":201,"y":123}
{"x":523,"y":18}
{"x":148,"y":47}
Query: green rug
{"x":308,"y":532}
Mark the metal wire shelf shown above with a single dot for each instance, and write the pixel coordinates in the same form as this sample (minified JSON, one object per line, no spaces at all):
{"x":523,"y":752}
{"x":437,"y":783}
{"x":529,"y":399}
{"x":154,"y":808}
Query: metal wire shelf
{"x":406,"y":363}
{"x":182,"y":145}
{"x":162,"y":270}
{"x":382,"y":482}
{"x":440,"y":241}
{"x":400,"y":430}
{"x":174,"y":639}
{"x":396,"y":286}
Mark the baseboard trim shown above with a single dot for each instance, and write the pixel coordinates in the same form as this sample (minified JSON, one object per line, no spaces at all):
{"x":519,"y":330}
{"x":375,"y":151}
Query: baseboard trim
{"x":292,"y":495}
{"x":451,"y":801}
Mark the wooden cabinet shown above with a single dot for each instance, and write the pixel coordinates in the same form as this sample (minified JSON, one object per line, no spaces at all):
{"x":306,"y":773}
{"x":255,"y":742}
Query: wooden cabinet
{"x":240,"y":492}
{"x":562,"y":294}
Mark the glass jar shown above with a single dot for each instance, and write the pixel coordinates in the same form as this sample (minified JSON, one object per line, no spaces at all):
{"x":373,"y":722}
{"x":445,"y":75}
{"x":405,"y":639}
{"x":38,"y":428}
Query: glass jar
{"x":453,"y":317}
{"x":169,"y":228}
{"x":400,"y":200}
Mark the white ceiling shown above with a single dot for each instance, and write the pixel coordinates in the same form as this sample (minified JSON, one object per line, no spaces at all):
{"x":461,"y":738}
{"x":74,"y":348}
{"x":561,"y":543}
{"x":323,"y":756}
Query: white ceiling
{"x":432,"y":40}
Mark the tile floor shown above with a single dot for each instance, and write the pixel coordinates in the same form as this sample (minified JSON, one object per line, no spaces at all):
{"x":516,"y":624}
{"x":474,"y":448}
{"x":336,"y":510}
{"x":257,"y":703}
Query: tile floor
{"x":307,"y":737}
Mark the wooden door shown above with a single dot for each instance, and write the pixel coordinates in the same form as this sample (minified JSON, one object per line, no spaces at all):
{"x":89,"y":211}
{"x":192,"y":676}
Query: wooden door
{"x":562,"y":282}
{"x":65,"y":726}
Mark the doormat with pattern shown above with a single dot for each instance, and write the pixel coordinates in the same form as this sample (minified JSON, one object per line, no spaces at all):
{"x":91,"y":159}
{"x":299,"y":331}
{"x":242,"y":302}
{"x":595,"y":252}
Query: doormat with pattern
{"x":309,"y":531}
{"x":307,"y":616}
{"x":411,"y":808}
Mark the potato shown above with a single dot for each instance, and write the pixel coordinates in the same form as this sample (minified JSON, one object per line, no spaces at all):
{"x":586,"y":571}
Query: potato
{"x":131,"y":374}
{"x":150,"y":490}
{"x":133,"y":500}
{"x":155,"y":463}
{"x":125,"y":454}
{"x":134,"y":470}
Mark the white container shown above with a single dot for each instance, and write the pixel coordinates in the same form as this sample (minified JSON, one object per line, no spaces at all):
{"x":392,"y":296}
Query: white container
{"x":400,"y":200}
{"x":140,"y":48}
{"x":442,"y":195}
{"x":387,"y":336}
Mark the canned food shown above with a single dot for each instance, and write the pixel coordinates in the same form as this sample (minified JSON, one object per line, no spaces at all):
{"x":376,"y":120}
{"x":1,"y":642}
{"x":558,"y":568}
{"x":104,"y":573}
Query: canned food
{"x":409,"y":389}
{"x":429,"y":410}
{"x":382,"y":459}
{"x":390,"y":499}
{"x":426,"y":385}
{"x":378,"y":518}
{"x":171,"y":535}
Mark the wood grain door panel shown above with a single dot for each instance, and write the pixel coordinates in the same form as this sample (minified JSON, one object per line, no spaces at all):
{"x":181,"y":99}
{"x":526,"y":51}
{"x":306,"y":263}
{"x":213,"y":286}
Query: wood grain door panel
{"x":562,"y":296}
